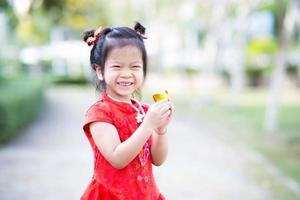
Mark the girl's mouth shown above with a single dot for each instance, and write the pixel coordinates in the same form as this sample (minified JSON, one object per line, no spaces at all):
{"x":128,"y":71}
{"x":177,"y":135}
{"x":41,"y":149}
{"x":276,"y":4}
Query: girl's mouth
{"x":124,"y":83}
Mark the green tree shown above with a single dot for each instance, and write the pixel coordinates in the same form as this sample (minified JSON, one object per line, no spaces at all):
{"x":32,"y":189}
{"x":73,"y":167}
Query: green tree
{"x":283,"y":32}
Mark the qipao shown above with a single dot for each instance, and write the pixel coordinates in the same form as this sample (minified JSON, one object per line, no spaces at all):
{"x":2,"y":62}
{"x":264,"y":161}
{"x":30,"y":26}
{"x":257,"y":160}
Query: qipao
{"x":136,"y":180}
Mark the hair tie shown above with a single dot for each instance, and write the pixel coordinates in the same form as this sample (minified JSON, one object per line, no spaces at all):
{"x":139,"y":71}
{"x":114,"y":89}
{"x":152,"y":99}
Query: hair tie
{"x":93,"y":39}
{"x":142,"y":35}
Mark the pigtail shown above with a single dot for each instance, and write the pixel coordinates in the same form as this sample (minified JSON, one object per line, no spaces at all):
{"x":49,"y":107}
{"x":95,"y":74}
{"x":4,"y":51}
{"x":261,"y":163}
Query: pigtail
{"x":140,"y":29}
{"x":87,"y":34}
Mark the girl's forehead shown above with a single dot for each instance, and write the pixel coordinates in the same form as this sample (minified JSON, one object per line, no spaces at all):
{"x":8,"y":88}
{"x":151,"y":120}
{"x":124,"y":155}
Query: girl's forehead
{"x":125,"y":53}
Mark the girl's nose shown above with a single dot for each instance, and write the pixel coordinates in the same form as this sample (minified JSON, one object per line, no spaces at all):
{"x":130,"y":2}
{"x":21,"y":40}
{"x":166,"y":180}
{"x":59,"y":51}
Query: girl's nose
{"x":126,"y":74}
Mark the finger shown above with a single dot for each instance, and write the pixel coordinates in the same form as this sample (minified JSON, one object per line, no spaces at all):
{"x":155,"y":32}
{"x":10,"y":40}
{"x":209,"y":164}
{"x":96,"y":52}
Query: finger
{"x":172,"y":108}
{"x":165,"y":108}
{"x":166,"y":114}
{"x":160,"y":106}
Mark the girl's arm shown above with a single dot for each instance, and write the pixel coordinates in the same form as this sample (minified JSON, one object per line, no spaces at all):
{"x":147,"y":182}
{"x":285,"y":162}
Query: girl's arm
{"x":159,"y":148}
{"x":118,"y":154}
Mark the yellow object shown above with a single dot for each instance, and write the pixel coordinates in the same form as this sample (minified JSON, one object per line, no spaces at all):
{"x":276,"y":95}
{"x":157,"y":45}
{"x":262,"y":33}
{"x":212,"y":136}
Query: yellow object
{"x":161,"y":96}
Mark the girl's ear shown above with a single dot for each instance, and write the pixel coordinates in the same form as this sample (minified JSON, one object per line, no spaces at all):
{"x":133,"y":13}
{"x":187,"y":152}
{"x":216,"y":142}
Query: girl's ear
{"x":99,"y":72}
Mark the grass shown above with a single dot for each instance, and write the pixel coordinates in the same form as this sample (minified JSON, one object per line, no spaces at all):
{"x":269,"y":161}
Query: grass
{"x":281,"y":148}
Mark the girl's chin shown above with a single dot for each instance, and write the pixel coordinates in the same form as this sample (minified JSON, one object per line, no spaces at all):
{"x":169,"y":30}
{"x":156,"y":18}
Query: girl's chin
{"x":126,"y":90}
{"x":125,"y":94}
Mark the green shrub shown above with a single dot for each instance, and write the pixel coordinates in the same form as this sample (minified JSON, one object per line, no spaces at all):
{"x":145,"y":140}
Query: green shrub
{"x":256,"y":76}
{"x":292,"y":69}
{"x":260,"y":52}
{"x":21,"y":101}
{"x":66,"y":80}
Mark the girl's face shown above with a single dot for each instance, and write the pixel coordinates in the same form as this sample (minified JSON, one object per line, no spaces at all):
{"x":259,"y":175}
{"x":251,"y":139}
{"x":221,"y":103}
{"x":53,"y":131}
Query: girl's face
{"x":123,"y":72}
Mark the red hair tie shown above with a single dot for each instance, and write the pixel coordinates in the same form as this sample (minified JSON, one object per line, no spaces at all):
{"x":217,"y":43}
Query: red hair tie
{"x":93,"y":39}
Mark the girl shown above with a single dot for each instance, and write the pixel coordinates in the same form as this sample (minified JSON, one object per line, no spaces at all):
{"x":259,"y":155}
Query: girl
{"x":127,"y":137}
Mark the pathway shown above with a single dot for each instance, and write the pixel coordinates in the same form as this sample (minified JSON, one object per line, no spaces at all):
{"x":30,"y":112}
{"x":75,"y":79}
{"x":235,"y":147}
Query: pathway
{"x":52,"y":159}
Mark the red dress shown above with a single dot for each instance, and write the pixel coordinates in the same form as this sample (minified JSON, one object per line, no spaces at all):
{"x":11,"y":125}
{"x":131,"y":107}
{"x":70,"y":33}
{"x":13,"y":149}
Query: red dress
{"x":135,"y":181}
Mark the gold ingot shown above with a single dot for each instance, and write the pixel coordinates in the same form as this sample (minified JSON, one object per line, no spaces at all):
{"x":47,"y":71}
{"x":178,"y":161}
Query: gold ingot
{"x":161,"y":96}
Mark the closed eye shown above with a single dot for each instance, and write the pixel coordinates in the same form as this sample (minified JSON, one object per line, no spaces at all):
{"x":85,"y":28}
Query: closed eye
{"x":115,"y":67}
{"x":136,"y":67}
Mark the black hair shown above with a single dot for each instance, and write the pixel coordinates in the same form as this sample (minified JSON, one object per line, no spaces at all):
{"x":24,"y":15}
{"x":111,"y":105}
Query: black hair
{"x":111,"y":38}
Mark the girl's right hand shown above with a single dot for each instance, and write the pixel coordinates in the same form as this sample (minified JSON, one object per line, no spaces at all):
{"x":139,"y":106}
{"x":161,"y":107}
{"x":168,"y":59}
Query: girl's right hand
{"x":157,"y":113}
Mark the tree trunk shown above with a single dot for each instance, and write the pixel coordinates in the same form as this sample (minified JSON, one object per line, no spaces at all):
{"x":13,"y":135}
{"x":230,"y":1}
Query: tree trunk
{"x":272,"y":106}
{"x":274,"y":91}
{"x":237,"y":69}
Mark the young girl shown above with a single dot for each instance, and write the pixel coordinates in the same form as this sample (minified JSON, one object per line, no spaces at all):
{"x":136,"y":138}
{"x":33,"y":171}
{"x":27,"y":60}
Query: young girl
{"x":127,"y":137}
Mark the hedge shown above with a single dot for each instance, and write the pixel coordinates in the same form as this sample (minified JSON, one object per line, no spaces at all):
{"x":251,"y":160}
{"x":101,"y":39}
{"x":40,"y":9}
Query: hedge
{"x":21,"y":101}
{"x":66,"y":80}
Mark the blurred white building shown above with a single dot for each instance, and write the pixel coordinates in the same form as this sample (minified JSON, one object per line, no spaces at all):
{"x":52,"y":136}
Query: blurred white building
{"x":66,"y":57}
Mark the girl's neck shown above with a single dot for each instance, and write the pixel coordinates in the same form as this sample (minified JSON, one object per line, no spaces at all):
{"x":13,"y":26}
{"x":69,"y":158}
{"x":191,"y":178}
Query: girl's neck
{"x":125,"y":100}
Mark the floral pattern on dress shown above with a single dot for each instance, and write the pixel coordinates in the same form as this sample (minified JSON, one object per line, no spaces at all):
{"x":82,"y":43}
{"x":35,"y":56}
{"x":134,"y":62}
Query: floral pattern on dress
{"x":144,"y":154}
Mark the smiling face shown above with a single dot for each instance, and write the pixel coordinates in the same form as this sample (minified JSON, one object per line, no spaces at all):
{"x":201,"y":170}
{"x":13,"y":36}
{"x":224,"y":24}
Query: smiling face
{"x":123,"y":72}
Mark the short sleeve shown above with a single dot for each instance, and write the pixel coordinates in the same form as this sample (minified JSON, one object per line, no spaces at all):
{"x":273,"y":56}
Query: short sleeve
{"x":98,"y":112}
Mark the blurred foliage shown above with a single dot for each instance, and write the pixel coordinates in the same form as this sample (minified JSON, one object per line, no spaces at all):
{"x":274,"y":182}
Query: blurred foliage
{"x":35,"y":27}
{"x":262,"y":46}
{"x":280,"y":12}
{"x":293,"y":72}
{"x":278,"y":8}
{"x":191,"y":71}
{"x":256,"y":76}
{"x":258,"y":50}
{"x":12,"y":17}
{"x":21,"y":102}
{"x":267,"y":6}
{"x":77,"y":14}
{"x":9,"y":67}
{"x":66,"y":80}
{"x":292,"y":69}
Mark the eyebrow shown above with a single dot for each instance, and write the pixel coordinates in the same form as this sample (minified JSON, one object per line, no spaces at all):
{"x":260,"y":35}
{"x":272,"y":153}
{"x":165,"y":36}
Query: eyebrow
{"x":135,"y":62}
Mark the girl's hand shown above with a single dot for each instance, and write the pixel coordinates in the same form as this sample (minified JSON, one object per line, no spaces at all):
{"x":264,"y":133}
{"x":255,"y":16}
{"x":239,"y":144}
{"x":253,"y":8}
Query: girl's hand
{"x":159,"y":115}
{"x":166,"y":120}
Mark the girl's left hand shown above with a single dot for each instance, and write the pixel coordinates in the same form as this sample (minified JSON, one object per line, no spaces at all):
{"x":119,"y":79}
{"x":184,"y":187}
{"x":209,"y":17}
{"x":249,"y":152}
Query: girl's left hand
{"x":166,"y":120}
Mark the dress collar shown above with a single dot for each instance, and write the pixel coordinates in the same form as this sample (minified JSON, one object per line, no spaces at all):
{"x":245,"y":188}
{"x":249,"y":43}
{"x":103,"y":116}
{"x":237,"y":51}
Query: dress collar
{"x":134,"y":107}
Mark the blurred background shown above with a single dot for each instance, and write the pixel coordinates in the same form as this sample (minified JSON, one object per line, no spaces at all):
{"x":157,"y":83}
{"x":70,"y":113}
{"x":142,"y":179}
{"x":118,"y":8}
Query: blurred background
{"x":232,"y":68}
